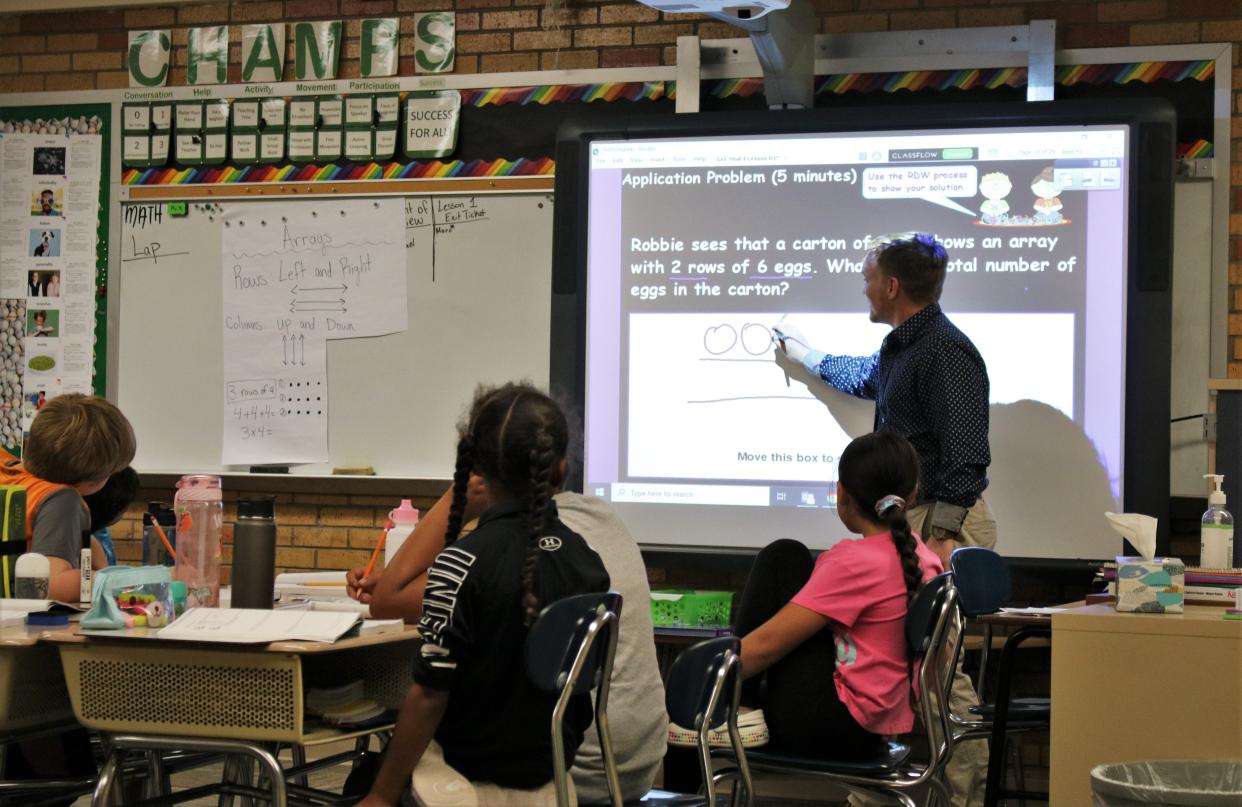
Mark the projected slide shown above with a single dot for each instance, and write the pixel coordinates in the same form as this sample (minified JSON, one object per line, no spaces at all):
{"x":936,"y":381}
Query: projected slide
{"x":697,"y":247}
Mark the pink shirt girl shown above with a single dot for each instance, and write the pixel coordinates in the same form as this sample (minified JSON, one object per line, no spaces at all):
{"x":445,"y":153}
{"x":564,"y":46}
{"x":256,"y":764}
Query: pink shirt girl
{"x":858,"y":585}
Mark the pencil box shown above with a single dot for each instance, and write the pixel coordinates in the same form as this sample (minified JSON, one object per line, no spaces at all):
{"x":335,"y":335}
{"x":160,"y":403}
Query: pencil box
{"x":131,"y":597}
{"x":12,"y":534}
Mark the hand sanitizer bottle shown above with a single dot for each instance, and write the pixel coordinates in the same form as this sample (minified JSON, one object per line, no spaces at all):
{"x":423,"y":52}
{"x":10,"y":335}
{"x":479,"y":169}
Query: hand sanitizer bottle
{"x":1216,"y":529}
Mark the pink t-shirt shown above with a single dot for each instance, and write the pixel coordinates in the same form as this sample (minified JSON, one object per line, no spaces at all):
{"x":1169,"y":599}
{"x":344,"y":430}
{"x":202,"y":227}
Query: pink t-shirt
{"x":858,"y":585}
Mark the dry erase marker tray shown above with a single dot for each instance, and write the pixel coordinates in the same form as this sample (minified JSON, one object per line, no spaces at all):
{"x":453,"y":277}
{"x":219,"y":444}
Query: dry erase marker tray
{"x":154,"y":687}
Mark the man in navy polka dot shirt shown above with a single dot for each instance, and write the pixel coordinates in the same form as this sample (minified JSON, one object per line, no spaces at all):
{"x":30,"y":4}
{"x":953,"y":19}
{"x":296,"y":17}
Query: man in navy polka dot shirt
{"x":930,"y":385}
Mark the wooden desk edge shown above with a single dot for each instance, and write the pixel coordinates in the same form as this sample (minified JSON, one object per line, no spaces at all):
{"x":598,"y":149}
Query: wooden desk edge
{"x":131,"y":635}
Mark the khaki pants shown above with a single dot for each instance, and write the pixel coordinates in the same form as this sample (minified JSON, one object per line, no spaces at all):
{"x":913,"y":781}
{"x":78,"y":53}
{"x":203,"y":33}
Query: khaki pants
{"x":967,"y":771}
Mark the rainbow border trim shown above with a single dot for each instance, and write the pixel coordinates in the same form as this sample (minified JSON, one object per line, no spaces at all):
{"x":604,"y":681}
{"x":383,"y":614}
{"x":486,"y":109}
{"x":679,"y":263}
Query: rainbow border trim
{"x":569,"y":93}
{"x":433,"y":169}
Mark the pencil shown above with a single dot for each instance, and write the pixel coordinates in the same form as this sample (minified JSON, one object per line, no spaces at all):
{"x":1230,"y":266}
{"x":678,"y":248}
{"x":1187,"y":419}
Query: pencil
{"x":160,"y":532}
{"x":378,"y":547}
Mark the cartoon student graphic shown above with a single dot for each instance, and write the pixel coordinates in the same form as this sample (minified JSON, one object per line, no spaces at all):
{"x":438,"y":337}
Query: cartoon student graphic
{"x":1048,"y":205}
{"x":995,"y":187}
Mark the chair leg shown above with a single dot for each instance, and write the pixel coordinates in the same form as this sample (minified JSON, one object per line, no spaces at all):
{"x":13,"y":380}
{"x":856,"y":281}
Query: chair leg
{"x":107,"y":776}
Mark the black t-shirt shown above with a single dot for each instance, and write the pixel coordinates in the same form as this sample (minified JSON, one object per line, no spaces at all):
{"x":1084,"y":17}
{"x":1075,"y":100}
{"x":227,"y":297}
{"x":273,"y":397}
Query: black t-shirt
{"x":497,"y":725}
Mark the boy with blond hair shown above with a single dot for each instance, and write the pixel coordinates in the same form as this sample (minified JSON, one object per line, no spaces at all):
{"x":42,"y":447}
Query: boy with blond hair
{"x":76,"y":442}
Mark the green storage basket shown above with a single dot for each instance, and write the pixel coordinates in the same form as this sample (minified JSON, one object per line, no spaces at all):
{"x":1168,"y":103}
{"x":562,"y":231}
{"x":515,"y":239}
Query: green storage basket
{"x":686,"y":608}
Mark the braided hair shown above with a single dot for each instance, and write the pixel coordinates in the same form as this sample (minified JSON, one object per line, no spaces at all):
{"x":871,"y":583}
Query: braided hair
{"x":881,"y":472}
{"x":515,"y":438}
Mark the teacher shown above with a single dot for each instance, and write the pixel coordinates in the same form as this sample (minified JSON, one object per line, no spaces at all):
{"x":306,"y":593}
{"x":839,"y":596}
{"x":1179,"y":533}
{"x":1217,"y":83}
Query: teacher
{"x":929,"y":384}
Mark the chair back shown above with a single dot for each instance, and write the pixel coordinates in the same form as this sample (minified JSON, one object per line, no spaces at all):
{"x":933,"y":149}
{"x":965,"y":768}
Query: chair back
{"x":933,"y":624}
{"x":703,"y":690}
{"x":982,"y":580}
{"x":570,"y":651}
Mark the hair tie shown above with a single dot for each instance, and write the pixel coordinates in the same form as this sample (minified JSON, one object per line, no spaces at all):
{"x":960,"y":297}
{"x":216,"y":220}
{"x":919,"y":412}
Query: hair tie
{"x":888,"y":503}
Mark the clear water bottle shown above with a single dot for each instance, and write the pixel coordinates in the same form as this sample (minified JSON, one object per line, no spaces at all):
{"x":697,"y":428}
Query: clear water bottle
{"x":154,"y":551}
{"x":200,"y":520}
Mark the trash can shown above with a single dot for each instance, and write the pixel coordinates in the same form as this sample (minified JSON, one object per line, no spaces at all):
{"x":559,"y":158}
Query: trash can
{"x":1194,"y":782}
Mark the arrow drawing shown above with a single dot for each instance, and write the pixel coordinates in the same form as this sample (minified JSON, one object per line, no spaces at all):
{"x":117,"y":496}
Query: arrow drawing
{"x":294,"y":349}
{"x":318,"y":305}
{"x":299,"y":289}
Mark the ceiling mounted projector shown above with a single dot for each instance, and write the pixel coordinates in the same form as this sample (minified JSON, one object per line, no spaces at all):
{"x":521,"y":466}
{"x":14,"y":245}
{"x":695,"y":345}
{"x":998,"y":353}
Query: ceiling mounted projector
{"x":726,"y":8}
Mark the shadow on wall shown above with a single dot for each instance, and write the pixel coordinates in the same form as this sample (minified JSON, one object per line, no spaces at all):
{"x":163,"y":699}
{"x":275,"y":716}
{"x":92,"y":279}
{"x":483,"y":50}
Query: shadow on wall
{"x":1049,"y":484}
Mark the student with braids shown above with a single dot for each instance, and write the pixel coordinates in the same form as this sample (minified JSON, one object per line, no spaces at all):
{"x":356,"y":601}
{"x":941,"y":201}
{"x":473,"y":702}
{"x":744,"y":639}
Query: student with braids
{"x":827,"y":633}
{"x":471,"y":719}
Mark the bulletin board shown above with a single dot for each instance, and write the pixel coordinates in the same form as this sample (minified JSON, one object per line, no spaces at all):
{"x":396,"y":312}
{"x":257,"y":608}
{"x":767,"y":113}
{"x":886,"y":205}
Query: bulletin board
{"x":60,"y":125}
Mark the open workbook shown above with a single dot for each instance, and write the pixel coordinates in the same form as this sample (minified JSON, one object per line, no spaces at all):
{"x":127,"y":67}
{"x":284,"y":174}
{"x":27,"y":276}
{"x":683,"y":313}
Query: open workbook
{"x":256,"y":626}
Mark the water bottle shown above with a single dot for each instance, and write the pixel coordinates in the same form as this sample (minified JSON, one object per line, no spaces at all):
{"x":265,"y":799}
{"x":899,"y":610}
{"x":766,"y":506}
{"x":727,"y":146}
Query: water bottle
{"x":254,"y":553}
{"x":154,"y":553}
{"x":200,"y":518}
{"x":403,"y":520}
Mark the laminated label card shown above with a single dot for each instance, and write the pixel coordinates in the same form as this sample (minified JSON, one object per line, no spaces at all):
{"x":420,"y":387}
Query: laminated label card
{"x":215,"y":147}
{"x":359,"y":110}
{"x":216,"y":115}
{"x":189,"y":148}
{"x":302,"y":113}
{"x":246,"y":115}
{"x":161,"y":117}
{"x":272,"y":146}
{"x":358,"y":144}
{"x":189,"y":116}
{"x":136,"y":118}
{"x":385,"y":143}
{"x":273,"y":113}
{"x":387,"y":108}
{"x":159,"y":149}
{"x":431,"y":123}
{"x":245,"y":147}
{"x":331,"y":112}
{"x":302,"y":144}
{"x":136,"y":149}
{"x":328,"y":144}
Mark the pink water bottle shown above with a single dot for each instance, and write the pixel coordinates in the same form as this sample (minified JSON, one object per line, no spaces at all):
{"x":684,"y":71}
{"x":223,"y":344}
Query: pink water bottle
{"x":200,"y":518}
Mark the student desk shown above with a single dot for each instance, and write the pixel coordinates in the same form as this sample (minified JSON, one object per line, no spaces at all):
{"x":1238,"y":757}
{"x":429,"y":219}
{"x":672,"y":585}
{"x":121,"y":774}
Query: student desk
{"x":1131,"y":687}
{"x":145,"y":693}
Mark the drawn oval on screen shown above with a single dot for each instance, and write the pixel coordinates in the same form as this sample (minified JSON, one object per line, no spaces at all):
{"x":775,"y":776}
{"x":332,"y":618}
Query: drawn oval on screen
{"x":756,"y":338}
{"x":719,"y":339}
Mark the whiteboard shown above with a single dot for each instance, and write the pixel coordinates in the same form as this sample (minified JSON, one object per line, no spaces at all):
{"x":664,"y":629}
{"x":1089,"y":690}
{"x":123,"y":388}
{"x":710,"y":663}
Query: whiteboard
{"x":479,"y":297}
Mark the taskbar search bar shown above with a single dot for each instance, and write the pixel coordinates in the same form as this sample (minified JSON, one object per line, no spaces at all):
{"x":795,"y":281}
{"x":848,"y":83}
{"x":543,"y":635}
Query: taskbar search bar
{"x":808,"y":496}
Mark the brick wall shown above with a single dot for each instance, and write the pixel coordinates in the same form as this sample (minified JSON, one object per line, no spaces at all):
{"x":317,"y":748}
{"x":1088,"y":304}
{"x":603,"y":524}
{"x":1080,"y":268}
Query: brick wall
{"x":314,"y":530}
{"x":84,"y":50}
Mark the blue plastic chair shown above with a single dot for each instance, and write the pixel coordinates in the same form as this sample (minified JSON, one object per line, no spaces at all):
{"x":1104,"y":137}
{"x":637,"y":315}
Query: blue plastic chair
{"x":570,"y":651}
{"x":703,"y":690}
{"x":983,"y":584}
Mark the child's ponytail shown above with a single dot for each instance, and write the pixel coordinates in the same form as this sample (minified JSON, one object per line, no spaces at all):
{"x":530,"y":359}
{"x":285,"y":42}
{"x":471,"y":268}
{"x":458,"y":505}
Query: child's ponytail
{"x":461,"y":479}
{"x":892,"y":511}
{"x":543,"y":462}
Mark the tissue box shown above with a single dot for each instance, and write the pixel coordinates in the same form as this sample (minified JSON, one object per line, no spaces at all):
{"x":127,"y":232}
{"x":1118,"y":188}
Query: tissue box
{"x":1156,"y":586}
{"x":12,"y":533}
